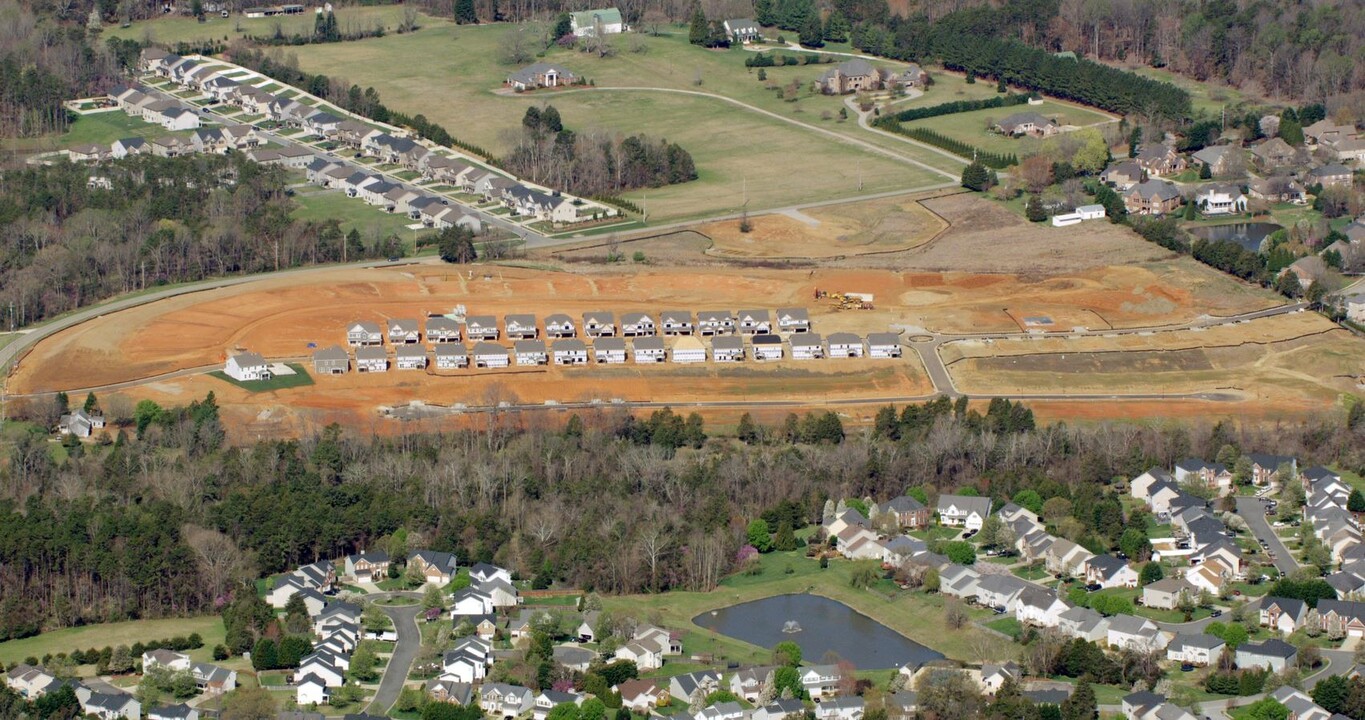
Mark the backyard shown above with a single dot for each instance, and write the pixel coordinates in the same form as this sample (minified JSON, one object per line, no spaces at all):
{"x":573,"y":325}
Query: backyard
{"x":319,"y":205}
{"x":973,"y":127}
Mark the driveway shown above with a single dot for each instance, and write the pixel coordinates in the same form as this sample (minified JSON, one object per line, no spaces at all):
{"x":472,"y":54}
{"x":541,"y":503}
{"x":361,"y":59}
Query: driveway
{"x":404,"y":652}
{"x":1252,"y":510}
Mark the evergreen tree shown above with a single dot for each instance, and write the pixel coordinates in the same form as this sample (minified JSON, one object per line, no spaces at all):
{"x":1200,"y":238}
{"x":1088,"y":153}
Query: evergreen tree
{"x":763,"y":12}
{"x":785,"y":539}
{"x":759,"y":535}
{"x":812,"y":32}
{"x":1134,"y":139}
{"x":466,"y":15}
{"x":63,"y":403}
{"x":1290,"y":129}
{"x":1081,"y":705}
{"x":976,"y":177}
{"x":264,"y":655}
{"x":836,"y":27}
{"x":456,"y":245}
{"x":698,"y":33}
{"x":1355,"y":502}
{"x":1151,"y":572}
{"x":1033,"y":209}
{"x":91,"y":404}
{"x":563,"y":25}
{"x":1205,"y":171}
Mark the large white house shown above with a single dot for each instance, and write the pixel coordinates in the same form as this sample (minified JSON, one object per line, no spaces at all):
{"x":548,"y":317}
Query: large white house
{"x":247,"y":366}
{"x":963,"y":511}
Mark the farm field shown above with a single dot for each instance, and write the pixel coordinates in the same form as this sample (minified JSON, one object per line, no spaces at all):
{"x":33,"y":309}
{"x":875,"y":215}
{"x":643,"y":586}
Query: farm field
{"x":734,"y":147}
{"x":209,"y":627}
{"x":971,"y":127}
{"x":171,"y":30}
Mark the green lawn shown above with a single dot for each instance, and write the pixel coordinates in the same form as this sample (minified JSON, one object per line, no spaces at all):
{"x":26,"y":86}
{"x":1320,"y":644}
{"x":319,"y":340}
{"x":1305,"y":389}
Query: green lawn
{"x":916,"y":615}
{"x":972,"y":127}
{"x":100,"y":128}
{"x":301,"y":378}
{"x":320,"y":205}
{"x":210,"y":628}
{"x":733,"y":148}
{"x":1006,"y":625}
{"x":187,"y":29}
{"x":553,"y":600}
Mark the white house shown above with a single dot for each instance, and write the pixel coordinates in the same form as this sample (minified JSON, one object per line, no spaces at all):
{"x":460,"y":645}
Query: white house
{"x":649,"y":350}
{"x":530,"y":352}
{"x":883,"y":345}
{"x":410,"y":357}
{"x":163,"y":658}
{"x":247,"y":366}
{"x":451,"y":356}
{"x":645,"y":653}
{"x":1129,"y":631}
{"x":727,"y":348}
{"x":570,"y":351}
{"x":1039,"y":607}
{"x":311,"y":691}
{"x":688,"y":349}
{"x":1194,"y":649}
{"x":766,"y":347}
{"x":490,"y":355}
{"x":371,"y":359}
{"x":821,"y":681}
{"x":963,"y":511}
{"x":1273,"y":654}
{"x":609,"y":351}
{"x":1220,"y":199}
{"x":807,"y":346}
{"x":845,"y":345}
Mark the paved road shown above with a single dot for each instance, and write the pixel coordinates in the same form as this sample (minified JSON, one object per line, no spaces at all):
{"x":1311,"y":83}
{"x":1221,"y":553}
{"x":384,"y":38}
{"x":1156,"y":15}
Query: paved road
{"x":1252,"y":510}
{"x":404,"y":652}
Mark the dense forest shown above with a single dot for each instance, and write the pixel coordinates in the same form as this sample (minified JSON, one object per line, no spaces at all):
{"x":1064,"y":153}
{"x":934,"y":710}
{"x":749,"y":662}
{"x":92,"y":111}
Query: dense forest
{"x":42,"y":65}
{"x":593,"y":163}
{"x":167,"y":520}
{"x":64,"y":244}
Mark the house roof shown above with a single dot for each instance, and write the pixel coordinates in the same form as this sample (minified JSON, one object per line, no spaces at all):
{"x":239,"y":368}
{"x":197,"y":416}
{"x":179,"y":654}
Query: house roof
{"x":727,"y":342}
{"x":1331,"y":170}
{"x":527,"y":75}
{"x":1023,"y":118}
{"x":611,"y":344}
{"x":1273,"y":647}
{"x":1159,"y":190}
{"x":587,"y":18}
{"x":1131,"y":625}
{"x":1127,"y":168}
{"x":844,"y":338}
{"x":744,"y":25}
{"x":1107,"y":565}
{"x":967,"y":503}
{"x":524,"y":347}
{"x":483,"y":349}
{"x":1201,"y":641}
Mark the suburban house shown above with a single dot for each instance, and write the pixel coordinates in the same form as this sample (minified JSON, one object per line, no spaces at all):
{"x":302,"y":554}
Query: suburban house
{"x":840,"y":708}
{"x":540,"y":75}
{"x":1084,"y":623}
{"x":882,"y":345}
{"x":1123,"y":174}
{"x":694,"y":685}
{"x":1160,"y":159}
{"x":609,"y":351}
{"x":789,"y":709}
{"x":559,"y":325}
{"x":500,"y":700}
{"x":754,"y":322}
{"x":247,"y":366}
{"x":404,"y":331}
{"x":821,"y":681}
{"x":766,"y":347}
{"x":364,"y":333}
{"x":448,"y":691}
{"x":547,"y":700}
{"x":1039,"y":607}
{"x":963,"y":511}
{"x":807,"y":346}
{"x":1128,"y":631}
{"x":1278,"y":188}
{"x":1199,"y":649}
{"x":994,"y":675}
{"x":1221,"y":160}
{"x":173,"y":712}
{"x":688,"y":349}
{"x":914,"y":77}
{"x":570,"y":351}
{"x":437,"y":567}
{"x":371,"y":359}
{"x":1342,"y":618}
{"x":1326,"y":132}
{"x":1153,"y":197}
{"x":646,"y":653}
{"x":110,"y":706}
{"x":530,"y":352}
{"x":1333,"y":175}
{"x":715,"y":322}
{"x":676,"y":322}
{"x":1214,"y":476}
{"x":167,"y":659}
{"x":1027,"y":123}
{"x":1108,"y":571}
{"x":795,"y":320}
{"x":80,"y":423}
{"x":1273,"y":153}
{"x":574,"y":657}
{"x":366,"y":566}
{"x":727,"y":348}
{"x":1220,"y":199}
{"x":470,"y":602}
{"x":649,"y":350}
{"x":521,"y":327}
{"x":589,"y":23}
{"x":908,"y":512}
{"x":1264,"y":467}
{"x":845,"y":345}
{"x":599,"y":324}
{"x":1274,"y":654}
{"x":743,"y":31}
{"x":636,"y":324}
{"x":643,"y":696}
{"x":851,"y":76}
{"x":999,"y":591}
{"x":1283,"y":615}
{"x":481,"y":327}
{"x":441,"y":329}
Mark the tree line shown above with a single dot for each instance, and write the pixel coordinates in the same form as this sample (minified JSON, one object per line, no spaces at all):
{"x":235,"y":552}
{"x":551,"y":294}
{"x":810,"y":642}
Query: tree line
{"x":593,"y":163}
{"x":160,"y":220}
{"x":167,"y":519}
{"x":44,"y":63}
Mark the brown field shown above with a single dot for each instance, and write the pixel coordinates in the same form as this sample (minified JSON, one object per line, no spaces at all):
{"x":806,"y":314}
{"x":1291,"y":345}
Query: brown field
{"x":1265,"y":362}
{"x":877,"y":226}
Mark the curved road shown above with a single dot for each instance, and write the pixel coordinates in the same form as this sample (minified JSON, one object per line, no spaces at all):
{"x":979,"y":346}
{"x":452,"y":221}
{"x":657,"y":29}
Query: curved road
{"x":404,"y":652}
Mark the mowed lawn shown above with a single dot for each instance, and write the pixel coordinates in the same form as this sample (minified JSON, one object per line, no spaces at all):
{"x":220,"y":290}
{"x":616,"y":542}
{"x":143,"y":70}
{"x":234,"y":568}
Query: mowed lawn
{"x":733,"y":147}
{"x":209,"y":627}
{"x":172,"y":30}
{"x":971,"y":127}
{"x":99,"y":128}
{"x":319,"y":205}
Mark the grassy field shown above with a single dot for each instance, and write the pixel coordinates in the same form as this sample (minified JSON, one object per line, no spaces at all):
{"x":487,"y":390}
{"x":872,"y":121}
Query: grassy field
{"x":99,"y":128}
{"x":301,"y":378}
{"x":318,"y":204}
{"x":734,"y":148}
{"x":210,"y":628}
{"x":917,"y":615}
{"x":971,"y":127}
{"x":187,"y":29}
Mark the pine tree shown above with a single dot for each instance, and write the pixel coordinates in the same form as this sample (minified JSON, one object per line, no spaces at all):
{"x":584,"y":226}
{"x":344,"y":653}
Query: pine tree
{"x":1081,"y":705}
{"x":1205,"y":171}
{"x":976,"y":177}
{"x":763,"y":12}
{"x":698,"y":33}
{"x":91,"y":404}
{"x":784,"y":540}
{"x":563,"y":25}
{"x":836,"y":27}
{"x":465,"y":13}
{"x":1033,"y":210}
{"x":812,"y":32}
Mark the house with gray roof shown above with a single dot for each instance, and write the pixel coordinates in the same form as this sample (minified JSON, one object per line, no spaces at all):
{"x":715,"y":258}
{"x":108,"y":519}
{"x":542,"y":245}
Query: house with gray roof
{"x":540,"y":75}
{"x":1029,"y":123}
{"x":963,"y":510}
{"x":331,"y":361}
{"x":1153,"y":197}
{"x":1274,"y":654}
{"x":851,"y":76}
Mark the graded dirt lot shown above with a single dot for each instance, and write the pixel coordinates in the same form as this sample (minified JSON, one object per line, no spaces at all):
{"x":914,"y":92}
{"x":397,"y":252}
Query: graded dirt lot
{"x":989,"y":272}
{"x":877,"y":226}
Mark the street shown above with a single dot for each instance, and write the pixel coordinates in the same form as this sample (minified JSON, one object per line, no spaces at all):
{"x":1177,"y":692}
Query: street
{"x":1252,"y":510}
{"x":404,"y":652}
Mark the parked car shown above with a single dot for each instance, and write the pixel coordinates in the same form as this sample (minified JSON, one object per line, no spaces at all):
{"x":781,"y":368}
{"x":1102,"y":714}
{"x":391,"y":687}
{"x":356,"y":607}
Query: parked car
{"x":1093,"y":587}
{"x":1216,"y":613}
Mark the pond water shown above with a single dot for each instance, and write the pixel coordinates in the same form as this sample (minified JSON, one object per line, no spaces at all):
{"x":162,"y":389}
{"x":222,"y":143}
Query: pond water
{"x":824,"y":625}
{"x":1248,"y":235}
